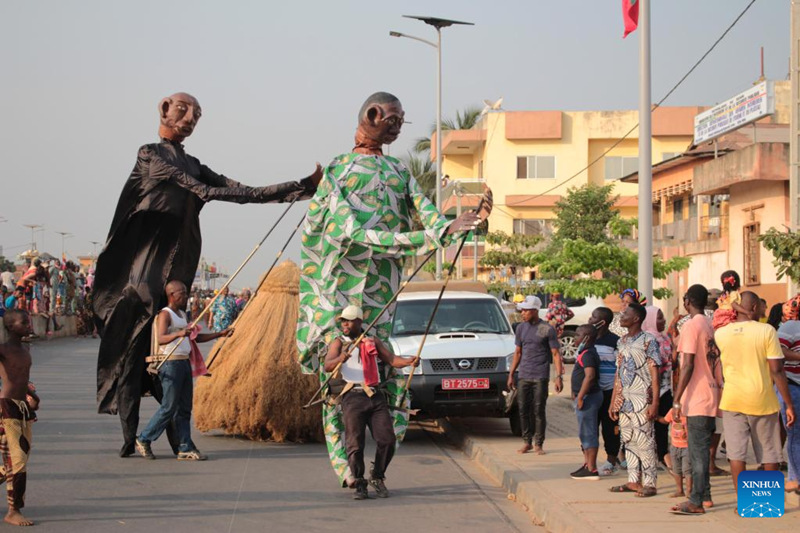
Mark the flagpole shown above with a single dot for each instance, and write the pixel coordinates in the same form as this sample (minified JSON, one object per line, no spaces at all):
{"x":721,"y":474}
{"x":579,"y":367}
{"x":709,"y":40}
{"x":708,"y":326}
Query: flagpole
{"x":645,"y":271}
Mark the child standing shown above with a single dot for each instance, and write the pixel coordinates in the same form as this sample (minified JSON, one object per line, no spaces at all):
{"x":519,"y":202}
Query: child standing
{"x":728,"y":304}
{"x":588,"y":398}
{"x":679,"y":453}
{"x":16,"y":412}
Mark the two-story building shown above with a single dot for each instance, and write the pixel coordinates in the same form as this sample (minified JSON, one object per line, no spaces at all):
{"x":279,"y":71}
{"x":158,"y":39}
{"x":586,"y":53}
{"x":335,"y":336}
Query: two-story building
{"x":531,"y":158}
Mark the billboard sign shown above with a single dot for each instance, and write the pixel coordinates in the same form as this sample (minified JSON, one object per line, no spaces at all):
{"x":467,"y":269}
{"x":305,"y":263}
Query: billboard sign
{"x":732,"y":114}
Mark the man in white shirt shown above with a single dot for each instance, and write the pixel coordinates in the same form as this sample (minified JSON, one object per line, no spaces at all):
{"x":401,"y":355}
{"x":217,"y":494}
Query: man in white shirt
{"x":362,"y":402}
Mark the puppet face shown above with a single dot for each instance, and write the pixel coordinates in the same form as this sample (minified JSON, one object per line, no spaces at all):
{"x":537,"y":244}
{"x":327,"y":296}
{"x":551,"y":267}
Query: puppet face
{"x":179,"y":115}
{"x":382,"y":122}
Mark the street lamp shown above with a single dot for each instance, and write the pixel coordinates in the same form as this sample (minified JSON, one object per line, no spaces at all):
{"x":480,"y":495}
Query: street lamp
{"x":94,"y":248}
{"x":33,"y":228}
{"x":438,"y":24}
{"x":64,"y":235}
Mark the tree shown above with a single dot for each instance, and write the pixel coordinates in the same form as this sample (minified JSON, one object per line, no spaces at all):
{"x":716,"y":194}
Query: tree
{"x":508,"y":251}
{"x":422,"y":169}
{"x":785,"y":248}
{"x":584,"y":246}
{"x":465,"y":120}
{"x":585,"y":213}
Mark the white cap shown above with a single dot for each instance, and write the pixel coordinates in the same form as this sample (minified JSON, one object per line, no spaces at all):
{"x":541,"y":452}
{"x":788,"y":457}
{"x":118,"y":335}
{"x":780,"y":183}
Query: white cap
{"x":531,"y":302}
{"x":352,"y":312}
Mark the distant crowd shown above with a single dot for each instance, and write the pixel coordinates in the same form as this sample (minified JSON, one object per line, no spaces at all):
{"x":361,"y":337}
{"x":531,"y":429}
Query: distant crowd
{"x":53,"y":289}
{"x":50,"y":289}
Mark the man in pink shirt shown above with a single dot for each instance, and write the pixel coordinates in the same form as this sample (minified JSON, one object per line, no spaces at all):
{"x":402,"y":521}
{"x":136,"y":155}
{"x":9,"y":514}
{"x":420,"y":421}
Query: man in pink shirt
{"x":697,"y":396}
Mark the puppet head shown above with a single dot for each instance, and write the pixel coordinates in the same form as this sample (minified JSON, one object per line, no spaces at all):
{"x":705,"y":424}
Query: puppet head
{"x":179,"y":115}
{"x":379,"y":122}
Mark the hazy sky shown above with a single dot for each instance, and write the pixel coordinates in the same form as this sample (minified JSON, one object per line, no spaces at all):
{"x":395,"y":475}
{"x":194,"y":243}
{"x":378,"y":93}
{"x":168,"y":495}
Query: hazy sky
{"x":280,"y":84}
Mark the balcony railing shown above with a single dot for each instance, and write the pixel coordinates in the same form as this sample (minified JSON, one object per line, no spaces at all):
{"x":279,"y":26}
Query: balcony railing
{"x":678,"y":231}
{"x":713,"y":227}
{"x":692,"y":229}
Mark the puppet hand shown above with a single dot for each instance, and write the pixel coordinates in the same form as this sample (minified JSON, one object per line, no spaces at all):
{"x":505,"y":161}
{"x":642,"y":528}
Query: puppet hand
{"x":316,"y":176}
{"x":487,"y":203}
{"x":466,"y":222}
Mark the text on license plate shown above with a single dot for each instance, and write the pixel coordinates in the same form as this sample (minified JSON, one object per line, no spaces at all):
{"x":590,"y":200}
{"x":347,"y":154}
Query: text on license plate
{"x":465,"y":383}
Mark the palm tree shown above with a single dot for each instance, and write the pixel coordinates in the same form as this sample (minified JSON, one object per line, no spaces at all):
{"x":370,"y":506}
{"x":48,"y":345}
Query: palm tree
{"x":423,"y":170}
{"x":465,"y":120}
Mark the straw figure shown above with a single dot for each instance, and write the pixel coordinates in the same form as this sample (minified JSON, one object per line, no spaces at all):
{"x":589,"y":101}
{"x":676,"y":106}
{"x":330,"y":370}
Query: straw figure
{"x":256,"y":389}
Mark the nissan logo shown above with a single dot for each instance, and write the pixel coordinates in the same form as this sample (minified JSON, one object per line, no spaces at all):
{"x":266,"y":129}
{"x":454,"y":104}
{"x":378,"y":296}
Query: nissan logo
{"x":464,"y":364}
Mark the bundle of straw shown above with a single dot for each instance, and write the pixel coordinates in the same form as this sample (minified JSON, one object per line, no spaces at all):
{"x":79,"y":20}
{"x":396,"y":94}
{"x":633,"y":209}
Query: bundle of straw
{"x":256,"y":389}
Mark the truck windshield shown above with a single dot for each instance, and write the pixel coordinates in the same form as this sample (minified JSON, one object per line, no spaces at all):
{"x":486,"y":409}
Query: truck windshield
{"x":454,"y":315}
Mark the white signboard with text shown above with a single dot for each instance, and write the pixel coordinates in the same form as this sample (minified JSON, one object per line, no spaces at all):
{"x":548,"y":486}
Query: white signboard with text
{"x":742,"y":109}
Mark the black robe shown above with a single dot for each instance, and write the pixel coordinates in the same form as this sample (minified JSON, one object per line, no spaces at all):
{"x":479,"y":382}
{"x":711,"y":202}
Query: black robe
{"x":155,"y":238}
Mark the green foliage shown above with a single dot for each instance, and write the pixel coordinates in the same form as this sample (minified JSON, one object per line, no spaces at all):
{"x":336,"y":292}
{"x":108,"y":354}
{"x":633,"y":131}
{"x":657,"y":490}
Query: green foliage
{"x":424,"y":171}
{"x":622,"y":227}
{"x":465,"y":120}
{"x":430,"y":266}
{"x":511,"y":251}
{"x":785,"y":248}
{"x":585,"y":213}
{"x":571,"y":266}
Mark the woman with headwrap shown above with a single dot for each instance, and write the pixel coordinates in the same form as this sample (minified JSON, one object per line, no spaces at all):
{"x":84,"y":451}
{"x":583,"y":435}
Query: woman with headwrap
{"x":789,"y":336}
{"x":655,"y":324}
{"x":628,"y":296}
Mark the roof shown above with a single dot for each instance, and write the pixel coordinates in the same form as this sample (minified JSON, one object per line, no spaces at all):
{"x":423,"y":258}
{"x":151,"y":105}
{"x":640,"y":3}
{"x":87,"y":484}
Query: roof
{"x":448,"y":295}
{"x":730,"y":142}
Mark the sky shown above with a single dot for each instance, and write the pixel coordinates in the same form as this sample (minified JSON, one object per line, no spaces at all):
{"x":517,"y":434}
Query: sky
{"x":280,"y":85}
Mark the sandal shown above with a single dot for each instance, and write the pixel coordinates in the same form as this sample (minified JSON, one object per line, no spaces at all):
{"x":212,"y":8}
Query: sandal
{"x":646,"y":492}
{"x":622,"y":488}
{"x":608,"y":469}
{"x":717,"y":472}
{"x":684,"y":509}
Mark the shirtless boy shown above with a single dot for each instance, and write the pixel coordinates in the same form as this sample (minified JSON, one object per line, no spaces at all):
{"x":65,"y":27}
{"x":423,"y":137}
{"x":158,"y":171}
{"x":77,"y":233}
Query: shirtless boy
{"x":16,"y":412}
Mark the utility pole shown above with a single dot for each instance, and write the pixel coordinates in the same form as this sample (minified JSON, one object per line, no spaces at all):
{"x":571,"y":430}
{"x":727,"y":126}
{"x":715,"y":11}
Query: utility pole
{"x":645,"y":270}
{"x":794,"y":122}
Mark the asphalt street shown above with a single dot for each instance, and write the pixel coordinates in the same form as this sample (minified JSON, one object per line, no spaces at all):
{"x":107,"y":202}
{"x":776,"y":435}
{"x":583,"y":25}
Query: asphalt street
{"x":77,"y":482}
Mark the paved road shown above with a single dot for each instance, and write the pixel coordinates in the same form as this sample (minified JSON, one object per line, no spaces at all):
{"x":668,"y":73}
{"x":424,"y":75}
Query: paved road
{"x":77,"y":483}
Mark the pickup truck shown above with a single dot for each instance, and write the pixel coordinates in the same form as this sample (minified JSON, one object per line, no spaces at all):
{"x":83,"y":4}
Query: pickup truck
{"x":465,"y":359}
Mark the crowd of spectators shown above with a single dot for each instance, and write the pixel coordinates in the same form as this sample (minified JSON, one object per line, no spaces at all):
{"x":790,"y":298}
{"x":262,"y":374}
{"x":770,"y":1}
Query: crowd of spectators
{"x":50,"y":289}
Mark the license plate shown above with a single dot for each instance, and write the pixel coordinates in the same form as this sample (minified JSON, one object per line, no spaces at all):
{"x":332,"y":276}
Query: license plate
{"x":465,"y":383}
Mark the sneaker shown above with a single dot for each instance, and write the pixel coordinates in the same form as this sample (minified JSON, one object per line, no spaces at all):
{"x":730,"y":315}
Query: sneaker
{"x":583,"y":467}
{"x":585,"y":474}
{"x":143,"y":448}
{"x":380,"y":489}
{"x":361,"y":490}
{"x":192,"y":455}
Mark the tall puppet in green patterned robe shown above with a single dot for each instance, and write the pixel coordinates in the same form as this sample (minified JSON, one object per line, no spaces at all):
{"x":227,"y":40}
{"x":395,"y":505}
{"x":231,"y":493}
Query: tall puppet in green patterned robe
{"x":357,"y":234}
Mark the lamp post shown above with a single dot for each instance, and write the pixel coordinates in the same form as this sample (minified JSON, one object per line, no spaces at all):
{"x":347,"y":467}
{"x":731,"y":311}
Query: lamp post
{"x":33,"y":228}
{"x":438,"y":24}
{"x":64,"y":236}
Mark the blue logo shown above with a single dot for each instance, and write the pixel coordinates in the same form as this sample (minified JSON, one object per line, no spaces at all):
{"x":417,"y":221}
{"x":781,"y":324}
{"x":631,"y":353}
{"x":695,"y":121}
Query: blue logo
{"x":760,"y":494}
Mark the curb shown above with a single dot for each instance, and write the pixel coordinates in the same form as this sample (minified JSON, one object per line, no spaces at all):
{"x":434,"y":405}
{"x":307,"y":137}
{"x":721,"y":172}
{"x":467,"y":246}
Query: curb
{"x":541,"y":503}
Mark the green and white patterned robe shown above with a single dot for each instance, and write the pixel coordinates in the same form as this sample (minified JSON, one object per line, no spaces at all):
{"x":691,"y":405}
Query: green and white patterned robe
{"x":356,"y":235}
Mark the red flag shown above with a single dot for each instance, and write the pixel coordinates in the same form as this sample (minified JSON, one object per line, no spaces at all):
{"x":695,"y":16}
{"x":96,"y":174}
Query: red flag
{"x":630,"y":15}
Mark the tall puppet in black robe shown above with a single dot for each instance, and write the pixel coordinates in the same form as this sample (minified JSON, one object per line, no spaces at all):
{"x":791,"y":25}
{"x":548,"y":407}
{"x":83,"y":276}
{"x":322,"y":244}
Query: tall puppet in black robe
{"x":155,"y":238}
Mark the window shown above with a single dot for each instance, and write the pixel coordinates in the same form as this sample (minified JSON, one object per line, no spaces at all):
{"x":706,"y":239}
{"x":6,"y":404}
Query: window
{"x":536,"y":167}
{"x":677,"y":209}
{"x":669,"y":155}
{"x":533,"y":226}
{"x":752,"y":254}
{"x":617,"y":167}
{"x":469,"y":314}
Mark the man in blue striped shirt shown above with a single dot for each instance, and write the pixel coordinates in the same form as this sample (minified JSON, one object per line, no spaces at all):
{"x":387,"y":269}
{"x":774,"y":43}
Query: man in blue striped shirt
{"x":606,"y":345}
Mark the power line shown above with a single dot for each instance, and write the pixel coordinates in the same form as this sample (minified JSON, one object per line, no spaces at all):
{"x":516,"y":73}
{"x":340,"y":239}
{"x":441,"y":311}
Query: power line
{"x":634,"y":128}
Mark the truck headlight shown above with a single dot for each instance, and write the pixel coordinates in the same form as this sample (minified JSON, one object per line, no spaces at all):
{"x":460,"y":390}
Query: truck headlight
{"x":417,"y":371}
{"x":509,"y":360}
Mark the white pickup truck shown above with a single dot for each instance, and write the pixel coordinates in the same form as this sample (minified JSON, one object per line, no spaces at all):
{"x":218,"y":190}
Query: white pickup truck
{"x":465,"y":359}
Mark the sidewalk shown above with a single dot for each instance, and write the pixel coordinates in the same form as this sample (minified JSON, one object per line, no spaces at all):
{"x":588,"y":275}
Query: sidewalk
{"x":561,"y":504}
